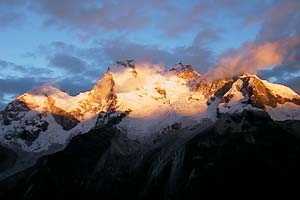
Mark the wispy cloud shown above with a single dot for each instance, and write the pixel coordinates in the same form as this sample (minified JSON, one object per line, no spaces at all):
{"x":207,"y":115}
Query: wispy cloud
{"x":253,"y":57}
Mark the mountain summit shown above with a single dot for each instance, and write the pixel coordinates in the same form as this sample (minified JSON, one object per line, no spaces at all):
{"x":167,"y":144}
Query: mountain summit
{"x":143,"y":132}
{"x":143,"y":101}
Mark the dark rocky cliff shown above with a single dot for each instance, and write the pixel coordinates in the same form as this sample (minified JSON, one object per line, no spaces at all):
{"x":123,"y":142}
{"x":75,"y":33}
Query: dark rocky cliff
{"x":262,"y":158}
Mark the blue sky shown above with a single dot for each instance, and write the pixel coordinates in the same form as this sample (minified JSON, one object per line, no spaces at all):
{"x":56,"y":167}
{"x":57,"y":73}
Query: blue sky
{"x":70,"y":43}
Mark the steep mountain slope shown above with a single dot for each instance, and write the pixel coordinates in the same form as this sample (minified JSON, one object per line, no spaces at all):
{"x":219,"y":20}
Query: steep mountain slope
{"x":7,"y":158}
{"x":156,"y":99}
{"x":47,"y":116}
{"x":143,"y":132}
{"x":186,"y":163}
{"x":250,"y":90}
{"x":144,"y":101}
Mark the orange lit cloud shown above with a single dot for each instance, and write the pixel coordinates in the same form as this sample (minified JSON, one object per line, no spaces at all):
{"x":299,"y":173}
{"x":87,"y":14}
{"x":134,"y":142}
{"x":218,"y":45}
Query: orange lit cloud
{"x":254,"y":57}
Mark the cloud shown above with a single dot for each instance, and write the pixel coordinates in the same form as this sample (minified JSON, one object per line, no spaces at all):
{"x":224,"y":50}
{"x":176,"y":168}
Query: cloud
{"x":253,"y":57}
{"x":75,"y":84}
{"x":91,"y":15}
{"x":281,"y":72}
{"x":72,"y":60}
{"x":82,"y":67}
{"x":17,"y":85}
{"x":171,"y":18}
{"x":10,"y":69}
{"x":13,"y":87}
{"x":94,"y":60}
{"x":209,"y":14}
{"x":12,"y":13}
{"x":68,"y":63}
{"x":115,"y":23}
{"x":206,"y":36}
{"x":199,"y":57}
{"x":11,"y":3}
{"x":280,"y":21}
{"x":79,"y":68}
{"x":16,"y":79}
{"x":121,"y":50}
{"x":294,"y":83}
{"x":196,"y":55}
{"x":276,"y":47}
{"x":10,"y":18}
{"x":287,"y":74}
{"x":288,"y":79}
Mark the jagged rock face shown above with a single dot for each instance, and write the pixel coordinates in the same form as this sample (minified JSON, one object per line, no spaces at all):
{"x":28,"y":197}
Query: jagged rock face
{"x":111,"y":117}
{"x":185,"y":71}
{"x":217,"y":88}
{"x":143,"y":102}
{"x":33,"y":112}
{"x":63,"y":118}
{"x":101,"y":98}
{"x":244,"y":123}
{"x":14,"y":111}
{"x":28,"y":129}
{"x":296,"y":101}
{"x":103,"y":90}
{"x":180,"y":159}
{"x":257,"y":93}
{"x":29,"y":124}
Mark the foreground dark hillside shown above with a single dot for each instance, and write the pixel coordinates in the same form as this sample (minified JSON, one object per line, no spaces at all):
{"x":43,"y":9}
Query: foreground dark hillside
{"x":260,"y":158}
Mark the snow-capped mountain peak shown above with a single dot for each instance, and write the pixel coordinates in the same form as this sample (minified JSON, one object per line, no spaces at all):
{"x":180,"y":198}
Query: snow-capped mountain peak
{"x":142,"y":100}
{"x":249,"y":90}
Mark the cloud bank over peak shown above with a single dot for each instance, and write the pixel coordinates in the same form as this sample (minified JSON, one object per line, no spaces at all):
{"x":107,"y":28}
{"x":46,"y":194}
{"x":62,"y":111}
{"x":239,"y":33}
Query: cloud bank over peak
{"x":253,"y":57}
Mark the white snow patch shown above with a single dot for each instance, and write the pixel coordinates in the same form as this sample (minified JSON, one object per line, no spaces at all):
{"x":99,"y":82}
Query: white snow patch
{"x":281,"y":90}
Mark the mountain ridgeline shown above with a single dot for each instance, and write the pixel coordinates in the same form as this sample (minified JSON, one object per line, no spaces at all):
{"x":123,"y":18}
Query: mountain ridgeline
{"x":143,"y":132}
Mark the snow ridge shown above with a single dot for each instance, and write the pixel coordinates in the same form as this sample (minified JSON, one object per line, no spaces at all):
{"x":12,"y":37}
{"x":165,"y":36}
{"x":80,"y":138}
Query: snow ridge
{"x":142,"y":100}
